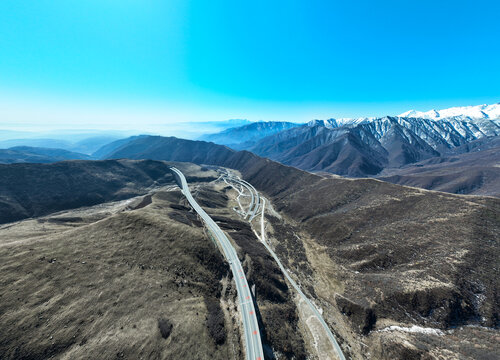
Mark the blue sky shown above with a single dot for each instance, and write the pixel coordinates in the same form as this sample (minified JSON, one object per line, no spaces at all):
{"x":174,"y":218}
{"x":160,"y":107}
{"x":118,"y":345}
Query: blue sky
{"x":145,"y":63}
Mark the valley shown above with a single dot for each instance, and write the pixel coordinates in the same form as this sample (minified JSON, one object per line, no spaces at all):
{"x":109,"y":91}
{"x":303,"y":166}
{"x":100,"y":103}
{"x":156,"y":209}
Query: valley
{"x":389,"y":279}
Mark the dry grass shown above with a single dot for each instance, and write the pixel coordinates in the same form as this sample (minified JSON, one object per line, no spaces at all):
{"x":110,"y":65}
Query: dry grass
{"x":97,"y":289}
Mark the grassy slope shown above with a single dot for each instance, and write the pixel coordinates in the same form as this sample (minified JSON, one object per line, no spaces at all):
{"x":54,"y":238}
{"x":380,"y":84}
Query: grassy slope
{"x":397,"y":254}
{"x":28,"y":190}
{"x":96,"y":290}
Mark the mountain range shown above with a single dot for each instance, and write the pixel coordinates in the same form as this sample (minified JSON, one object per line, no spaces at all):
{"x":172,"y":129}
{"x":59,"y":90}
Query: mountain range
{"x":379,"y":143}
{"x":89,"y":141}
{"x":484,"y":112}
{"x":424,"y":149}
{"x":387,"y":147}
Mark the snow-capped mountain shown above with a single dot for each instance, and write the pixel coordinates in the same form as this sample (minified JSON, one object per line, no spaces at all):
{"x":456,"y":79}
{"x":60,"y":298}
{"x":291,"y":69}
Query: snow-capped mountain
{"x":440,"y":135}
{"x":335,"y":123}
{"x":478,"y":112}
{"x":451,"y":131}
{"x":470,"y":122}
{"x":366,"y":146}
{"x":370,"y":146}
{"x":459,"y":113}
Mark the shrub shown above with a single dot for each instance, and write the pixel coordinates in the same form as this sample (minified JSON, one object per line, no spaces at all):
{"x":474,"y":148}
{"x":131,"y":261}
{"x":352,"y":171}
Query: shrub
{"x":215,"y":321}
{"x":165,"y":327}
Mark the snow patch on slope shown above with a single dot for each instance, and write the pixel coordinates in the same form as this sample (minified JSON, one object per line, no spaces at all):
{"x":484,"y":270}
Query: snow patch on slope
{"x":414,"y":329}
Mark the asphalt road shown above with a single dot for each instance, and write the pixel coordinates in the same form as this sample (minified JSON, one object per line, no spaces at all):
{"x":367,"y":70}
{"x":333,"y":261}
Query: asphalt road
{"x":255,"y":197}
{"x":251,"y":327}
{"x":252,"y":212}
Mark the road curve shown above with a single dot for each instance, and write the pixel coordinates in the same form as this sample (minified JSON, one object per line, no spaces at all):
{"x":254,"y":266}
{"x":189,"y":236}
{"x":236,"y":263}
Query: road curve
{"x":250,"y":325}
{"x":261,"y":203}
{"x":255,"y":197}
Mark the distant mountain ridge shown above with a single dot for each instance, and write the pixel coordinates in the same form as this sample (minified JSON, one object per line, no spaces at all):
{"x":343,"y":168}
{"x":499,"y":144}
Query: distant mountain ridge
{"x":478,"y":112}
{"x":390,"y":147}
{"x":365,"y":148}
{"x":360,"y":147}
{"x":247,"y":135}
{"x":468,"y":169}
{"x":86,"y":146}
{"x":459,"y":113}
{"x":28,"y":154}
{"x":471,"y":122}
{"x":171,"y":149}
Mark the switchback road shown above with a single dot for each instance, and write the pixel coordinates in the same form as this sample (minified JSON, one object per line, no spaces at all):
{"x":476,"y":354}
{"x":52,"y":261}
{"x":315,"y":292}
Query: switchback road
{"x":261,"y":203}
{"x":250,"y":325}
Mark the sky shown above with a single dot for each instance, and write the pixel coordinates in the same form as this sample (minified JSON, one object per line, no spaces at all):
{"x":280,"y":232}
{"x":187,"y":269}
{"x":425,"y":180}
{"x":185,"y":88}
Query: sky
{"x":145,"y":64}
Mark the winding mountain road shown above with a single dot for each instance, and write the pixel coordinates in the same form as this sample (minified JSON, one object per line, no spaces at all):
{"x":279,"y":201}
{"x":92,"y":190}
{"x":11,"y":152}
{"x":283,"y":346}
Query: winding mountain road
{"x":261,"y":203}
{"x":251,"y":327}
{"x":255,"y":202}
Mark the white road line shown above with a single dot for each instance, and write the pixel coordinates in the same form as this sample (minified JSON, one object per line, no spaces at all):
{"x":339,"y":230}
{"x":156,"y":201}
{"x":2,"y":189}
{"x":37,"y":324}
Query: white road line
{"x":253,"y":193}
{"x":250,"y":325}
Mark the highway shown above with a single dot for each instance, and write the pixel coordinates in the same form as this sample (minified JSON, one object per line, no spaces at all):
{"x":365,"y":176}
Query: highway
{"x":254,"y":194}
{"x":252,"y":212}
{"x":253,"y":341}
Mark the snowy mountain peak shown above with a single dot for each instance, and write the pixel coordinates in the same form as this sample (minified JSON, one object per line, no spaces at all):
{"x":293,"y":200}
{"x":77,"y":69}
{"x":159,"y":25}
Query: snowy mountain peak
{"x":478,"y":112}
{"x":334,"y":123}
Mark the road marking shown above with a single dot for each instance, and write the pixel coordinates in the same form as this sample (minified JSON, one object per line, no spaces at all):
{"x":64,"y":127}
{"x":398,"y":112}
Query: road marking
{"x":254,"y":344}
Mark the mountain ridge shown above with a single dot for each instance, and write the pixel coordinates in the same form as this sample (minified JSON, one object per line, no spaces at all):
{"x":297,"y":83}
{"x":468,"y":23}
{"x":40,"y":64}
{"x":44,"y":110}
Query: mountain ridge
{"x":485,"y":111}
{"x":393,"y":141}
{"x":28,"y":154}
{"x":367,"y":146}
{"x":244,"y":136}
